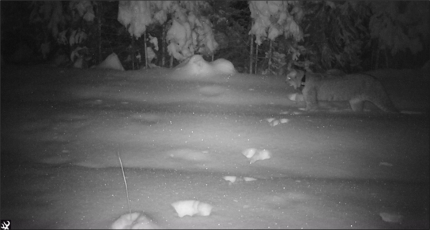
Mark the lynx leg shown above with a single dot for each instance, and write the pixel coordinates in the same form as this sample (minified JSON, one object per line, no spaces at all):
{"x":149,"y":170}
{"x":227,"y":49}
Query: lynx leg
{"x":385,"y":105}
{"x":311,"y":100}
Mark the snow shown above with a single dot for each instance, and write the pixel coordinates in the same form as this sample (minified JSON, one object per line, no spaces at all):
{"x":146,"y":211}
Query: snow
{"x":134,"y":220}
{"x":111,"y":62}
{"x":189,"y":33}
{"x":198,"y":68}
{"x":265,"y":13}
{"x":85,"y":10}
{"x":180,"y":138}
{"x":135,"y":16}
{"x":191,"y":208}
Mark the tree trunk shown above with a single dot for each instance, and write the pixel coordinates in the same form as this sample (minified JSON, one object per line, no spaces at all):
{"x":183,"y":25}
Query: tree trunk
{"x":270,"y":56}
{"x":377,"y":57}
{"x":386,"y":58}
{"x":146,"y":53}
{"x":163,"y":46}
{"x":99,"y":16}
{"x":131,"y":53}
{"x":256,"y":58}
{"x":251,"y":47}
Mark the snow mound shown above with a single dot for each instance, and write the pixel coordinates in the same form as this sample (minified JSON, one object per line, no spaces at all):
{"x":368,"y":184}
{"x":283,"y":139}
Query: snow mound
{"x":391,"y":217}
{"x":135,"y":220}
{"x":111,"y":62}
{"x":223,"y":66}
{"x":197,"y":68}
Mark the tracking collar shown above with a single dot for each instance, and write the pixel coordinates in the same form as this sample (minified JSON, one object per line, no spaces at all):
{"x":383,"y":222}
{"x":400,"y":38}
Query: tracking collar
{"x":302,"y":82}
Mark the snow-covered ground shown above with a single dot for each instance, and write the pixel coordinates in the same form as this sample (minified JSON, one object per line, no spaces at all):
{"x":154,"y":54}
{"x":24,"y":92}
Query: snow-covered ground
{"x":182,"y":138}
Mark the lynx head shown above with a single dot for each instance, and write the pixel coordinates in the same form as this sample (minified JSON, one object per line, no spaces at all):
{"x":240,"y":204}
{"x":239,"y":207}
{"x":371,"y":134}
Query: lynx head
{"x":294,"y":78}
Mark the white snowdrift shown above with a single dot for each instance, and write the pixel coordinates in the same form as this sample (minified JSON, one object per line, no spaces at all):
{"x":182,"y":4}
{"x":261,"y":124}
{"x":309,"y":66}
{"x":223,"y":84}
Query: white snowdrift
{"x":135,"y":220}
{"x":111,"y":62}
{"x":196,"y":68}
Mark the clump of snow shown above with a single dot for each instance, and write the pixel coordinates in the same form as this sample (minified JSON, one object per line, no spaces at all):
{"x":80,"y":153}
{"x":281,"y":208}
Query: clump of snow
{"x":196,"y":66}
{"x":274,"y":122}
{"x":248,"y":179}
{"x":135,"y":15}
{"x":232,"y":179}
{"x":191,"y":208}
{"x":111,"y":62}
{"x":290,"y":112}
{"x":84,"y":8}
{"x":248,"y":153}
{"x":254,"y":155}
{"x":135,"y":220}
{"x":273,"y":18}
{"x":179,"y":36}
{"x":189,"y":34}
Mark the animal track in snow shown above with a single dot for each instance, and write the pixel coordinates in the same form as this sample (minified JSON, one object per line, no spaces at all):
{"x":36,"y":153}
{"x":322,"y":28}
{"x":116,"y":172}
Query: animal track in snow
{"x":274,"y":122}
{"x":255,"y":155}
{"x":191,"y":208}
{"x":233,"y":179}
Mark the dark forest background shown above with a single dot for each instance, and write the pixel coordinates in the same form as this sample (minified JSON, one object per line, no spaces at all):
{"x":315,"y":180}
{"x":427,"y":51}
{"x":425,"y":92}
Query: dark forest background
{"x":257,"y":37}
